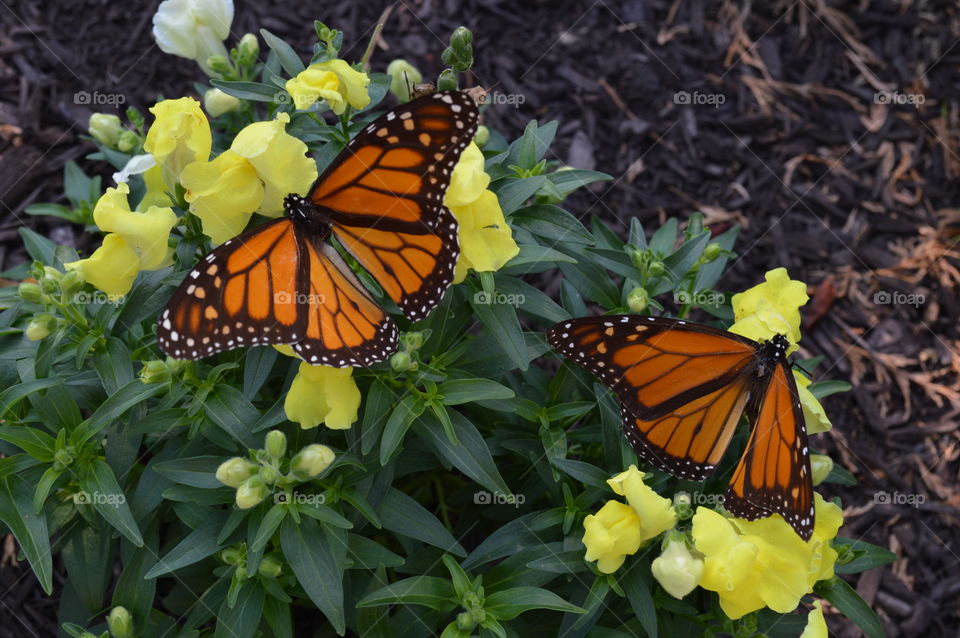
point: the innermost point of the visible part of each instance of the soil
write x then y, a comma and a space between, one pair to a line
827, 130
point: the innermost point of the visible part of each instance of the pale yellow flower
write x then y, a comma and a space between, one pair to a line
322, 394
676, 568
180, 134
656, 512
611, 535
813, 413
816, 624
334, 81
771, 308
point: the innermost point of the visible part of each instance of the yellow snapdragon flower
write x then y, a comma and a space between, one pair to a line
135, 241
816, 624
180, 134
763, 563
322, 394
486, 240
770, 308
677, 569
334, 81
263, 164
813, 413
656, 512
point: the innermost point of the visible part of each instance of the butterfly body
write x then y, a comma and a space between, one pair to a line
283, 282
683, 387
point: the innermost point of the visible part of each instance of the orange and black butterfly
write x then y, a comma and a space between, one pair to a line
682, 388
284, 283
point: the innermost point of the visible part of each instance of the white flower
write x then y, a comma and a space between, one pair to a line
193, 29
136, 165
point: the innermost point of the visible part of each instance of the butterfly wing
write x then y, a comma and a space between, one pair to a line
773, 476
385, 191
243, 293
655, 365
344, 326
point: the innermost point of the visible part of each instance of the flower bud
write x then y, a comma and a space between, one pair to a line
155, 372
52, 273
447, 81
820, 467
40, 327
711, 252
313, 459
251, 493
637, 300
275, 444
465, 621
235, 471
683, 505
71, 282
105, 128
656, 268
248, 48
30, 292
50, 286
218, 64
676, 569
462, 37
270, 567
403, 76
400, 361
231, 556
482, 136
413, 340
128, 141
216, 102
120, 623
268, 474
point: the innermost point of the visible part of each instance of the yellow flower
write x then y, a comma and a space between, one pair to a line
135, 241
771, 308
676, 569
813, 414
180, 135
260, 168
763, 563
611, 535
217, 102
156, 194
816, 624
323, 394
193, 29
486, 241
313, 459
105, 128
820, 467
656, 513
334, 81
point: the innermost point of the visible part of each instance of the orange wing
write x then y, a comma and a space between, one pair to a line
773, 475
345, 326
384, 196
243, 293
655, 366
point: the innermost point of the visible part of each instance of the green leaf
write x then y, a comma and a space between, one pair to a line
105, 494
376, 411
34, 442
429, 591
195, 546
228, 408
514, 536
198, 471
459, 391
552, 223
401, 514
408, 409
29, 528
472, 456
865, 556
369, 554
510, 603
636, 585
253, 91
666, 236
501, 321
133, 589
113, 408
268, 525
308, 553
851, 605
289, 59
567, 181
88, 557
38, 247
257, 368
826, 388
242, 618
513, 192
584, 472
14, 393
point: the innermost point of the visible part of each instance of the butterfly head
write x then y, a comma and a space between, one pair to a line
772, 352
306, 215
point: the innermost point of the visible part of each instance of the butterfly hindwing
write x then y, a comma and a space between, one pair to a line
384, 194
773, 474
243, 293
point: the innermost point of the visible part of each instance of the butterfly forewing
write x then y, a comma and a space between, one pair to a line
243, 293
773, 474
385, 191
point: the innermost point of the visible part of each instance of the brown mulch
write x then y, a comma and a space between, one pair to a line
783, 134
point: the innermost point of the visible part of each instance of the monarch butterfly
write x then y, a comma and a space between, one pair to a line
682, 389
284, 283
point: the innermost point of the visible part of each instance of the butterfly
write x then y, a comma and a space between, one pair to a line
285, 283
682, 388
